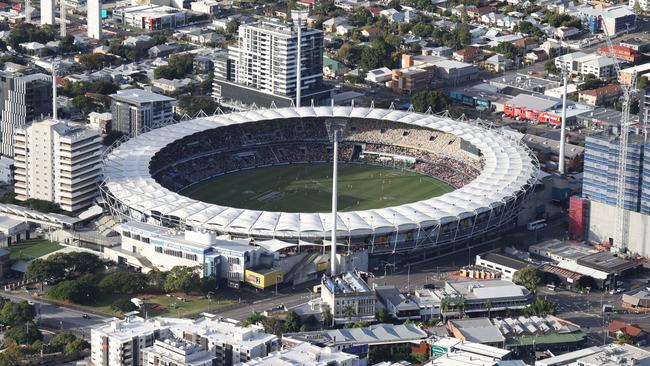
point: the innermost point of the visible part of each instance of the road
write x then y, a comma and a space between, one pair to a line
55, 317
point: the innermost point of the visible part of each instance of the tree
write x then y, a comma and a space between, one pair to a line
26, 333
232, 26
41, 270
124, 282
58, 342
66, 45
310, 323
550, 68
642, 83
638, 10
444, 306
253, 319
14, 313
123, 306
434, 99
81, 291
541, 307
460, 306
383, 316
207, 284
182, 278
192, 105
328, 318
96, 61
528, 277
274, 325
84, 104
508, 50
177, 67
348, 311
488, 306
156, 280
292, 322
26, 32
624, 338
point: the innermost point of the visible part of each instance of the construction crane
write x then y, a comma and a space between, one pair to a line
622, 229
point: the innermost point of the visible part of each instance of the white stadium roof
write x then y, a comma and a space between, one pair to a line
508, 168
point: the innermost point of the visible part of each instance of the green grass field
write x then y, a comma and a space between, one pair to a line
307, 188
31, 249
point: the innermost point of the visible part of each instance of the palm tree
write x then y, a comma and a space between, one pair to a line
444, 306
460, 305
348, 311
488, 306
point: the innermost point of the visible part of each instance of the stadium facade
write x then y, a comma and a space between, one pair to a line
491, 172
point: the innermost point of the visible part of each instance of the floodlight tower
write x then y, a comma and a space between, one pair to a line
335, 130
565, 77
298, 16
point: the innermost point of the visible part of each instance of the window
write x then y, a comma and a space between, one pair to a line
159, 250
145, 240
126, 234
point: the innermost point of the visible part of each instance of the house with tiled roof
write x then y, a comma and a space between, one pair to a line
468, 54
604, 95
617, 328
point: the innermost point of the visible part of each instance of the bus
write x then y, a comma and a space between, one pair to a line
536, 225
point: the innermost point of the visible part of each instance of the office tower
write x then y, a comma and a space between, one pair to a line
57, 162
48, 12
94, 18
261, 67
136, 111
23, 98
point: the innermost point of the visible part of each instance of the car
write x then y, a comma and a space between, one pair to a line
30, 302
85, 316
616, 291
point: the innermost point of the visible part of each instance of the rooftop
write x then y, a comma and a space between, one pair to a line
303, 354
505, 260
349, 282
374, 334
486, 289
140, 96
479, 330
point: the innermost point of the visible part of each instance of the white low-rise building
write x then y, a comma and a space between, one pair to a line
210, 7
379, 76
124, 342
349, 297
305, 354
145, 246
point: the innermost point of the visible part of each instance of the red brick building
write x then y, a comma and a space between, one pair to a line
622, 53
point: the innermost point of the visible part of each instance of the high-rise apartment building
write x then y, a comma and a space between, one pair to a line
23, 98
94, 19
261, 67
135, 341
57, 162
48, 12
601, 170
136, 111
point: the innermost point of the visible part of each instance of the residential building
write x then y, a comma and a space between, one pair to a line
617, 328
612, 20
349, 297
150, 17
502, 263
146, 247
627, 73
173, 86
100, 121
622, 53
366, 342
264, 71
177, 351
479, 330
496, 63
379, 76
164, 50
305, 354
604, 95
94, 15
606, 355
57, 162
468, 54
23, 98
568, 62
7, 168
601, 171
602, 67
566, 32
128, 341
141, 42
136, 111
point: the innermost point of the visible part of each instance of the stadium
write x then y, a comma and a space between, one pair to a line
475, 177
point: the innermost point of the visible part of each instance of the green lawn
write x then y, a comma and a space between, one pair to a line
31, 249
307, 188
159, 305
